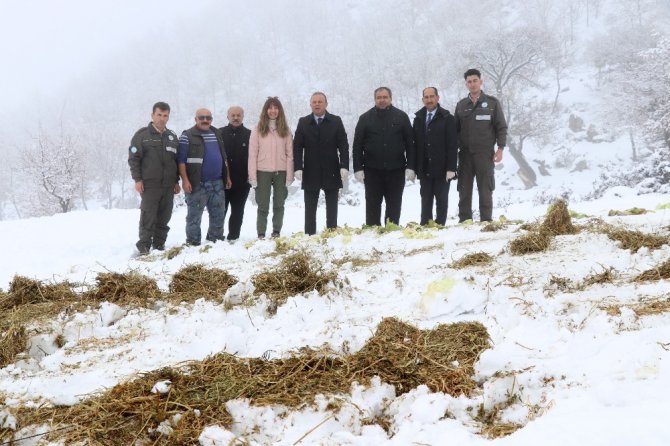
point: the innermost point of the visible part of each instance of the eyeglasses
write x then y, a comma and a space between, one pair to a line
204, 118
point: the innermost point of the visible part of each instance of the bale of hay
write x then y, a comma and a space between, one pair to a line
662, 271
474, 259
13, 341
297, 273
529, 243
634, 240
402, 355
25, 291
195, 281
558, 220
129, 288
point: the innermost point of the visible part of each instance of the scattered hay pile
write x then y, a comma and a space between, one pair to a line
556, 222
25, 291
529, 243
662, 271
125, 289
13, 340
195, 281
297, 273
402, 355
493, 227
634, 240
645, 308
474, 259
606, 276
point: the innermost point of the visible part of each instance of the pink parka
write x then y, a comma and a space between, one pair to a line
270, 153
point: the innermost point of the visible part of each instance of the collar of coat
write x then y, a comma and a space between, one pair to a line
310, 117
196, 131
422, 112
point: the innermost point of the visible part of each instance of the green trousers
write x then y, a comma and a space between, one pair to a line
267, 182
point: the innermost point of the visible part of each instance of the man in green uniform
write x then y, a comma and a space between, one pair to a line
481, 125
152, 157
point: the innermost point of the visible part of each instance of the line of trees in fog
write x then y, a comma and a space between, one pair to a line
528, 51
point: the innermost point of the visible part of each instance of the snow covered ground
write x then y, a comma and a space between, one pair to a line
577, 374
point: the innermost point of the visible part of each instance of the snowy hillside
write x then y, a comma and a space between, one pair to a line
578, 347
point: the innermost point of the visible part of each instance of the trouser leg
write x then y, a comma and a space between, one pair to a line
236, 200
195, 202
466, 176
279, 194
163, 217
263, 191
426, 192
441, 192
149, 204
311, 203
215, 208
394, 185
332, 196
374, 194
484, 173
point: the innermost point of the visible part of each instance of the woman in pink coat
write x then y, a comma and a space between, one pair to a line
271, 165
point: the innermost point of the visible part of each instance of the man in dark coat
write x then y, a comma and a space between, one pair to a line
436, 155
236, 142
384, 157
481, 125
152, 157
321, 160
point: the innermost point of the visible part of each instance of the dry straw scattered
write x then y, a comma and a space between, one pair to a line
556, 222
402, 355
529, 243
660, 272
196, 281
296, 273
608, 275
474, 259
125, 289
634, 240
13, 340
24, 291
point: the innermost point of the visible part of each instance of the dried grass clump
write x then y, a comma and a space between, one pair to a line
402, 355
297, 273
558, 220
358, 262
560, 283
652, 307
173, 252
126, 289
195, 281
606, 276
493, 227
634, 240
25, 291
13, 340
662, 271
531, 242
474, 259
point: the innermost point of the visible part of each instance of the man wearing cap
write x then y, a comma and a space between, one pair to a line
152, 157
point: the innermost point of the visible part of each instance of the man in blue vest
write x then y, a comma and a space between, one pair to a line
203, 168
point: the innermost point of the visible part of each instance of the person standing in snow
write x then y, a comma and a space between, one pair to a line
236, 142
271, 165
203, 168
152, 157
481, 124
321, 160
384, 157
436, 152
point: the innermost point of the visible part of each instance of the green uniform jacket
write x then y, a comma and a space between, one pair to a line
152, 157
481, 125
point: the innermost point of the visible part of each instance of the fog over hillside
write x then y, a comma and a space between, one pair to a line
86, 75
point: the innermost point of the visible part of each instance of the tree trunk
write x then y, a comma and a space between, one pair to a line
632, 143
525, 172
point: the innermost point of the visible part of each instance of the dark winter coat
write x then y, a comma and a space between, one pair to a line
481, 125
196, 152
383, 140
320, 151
437, 145
236, 144
152, 157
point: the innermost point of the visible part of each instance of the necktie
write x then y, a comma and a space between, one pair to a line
318, 121
429, 118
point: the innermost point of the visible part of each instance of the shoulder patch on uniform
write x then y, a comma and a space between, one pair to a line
171, 137
133, 149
